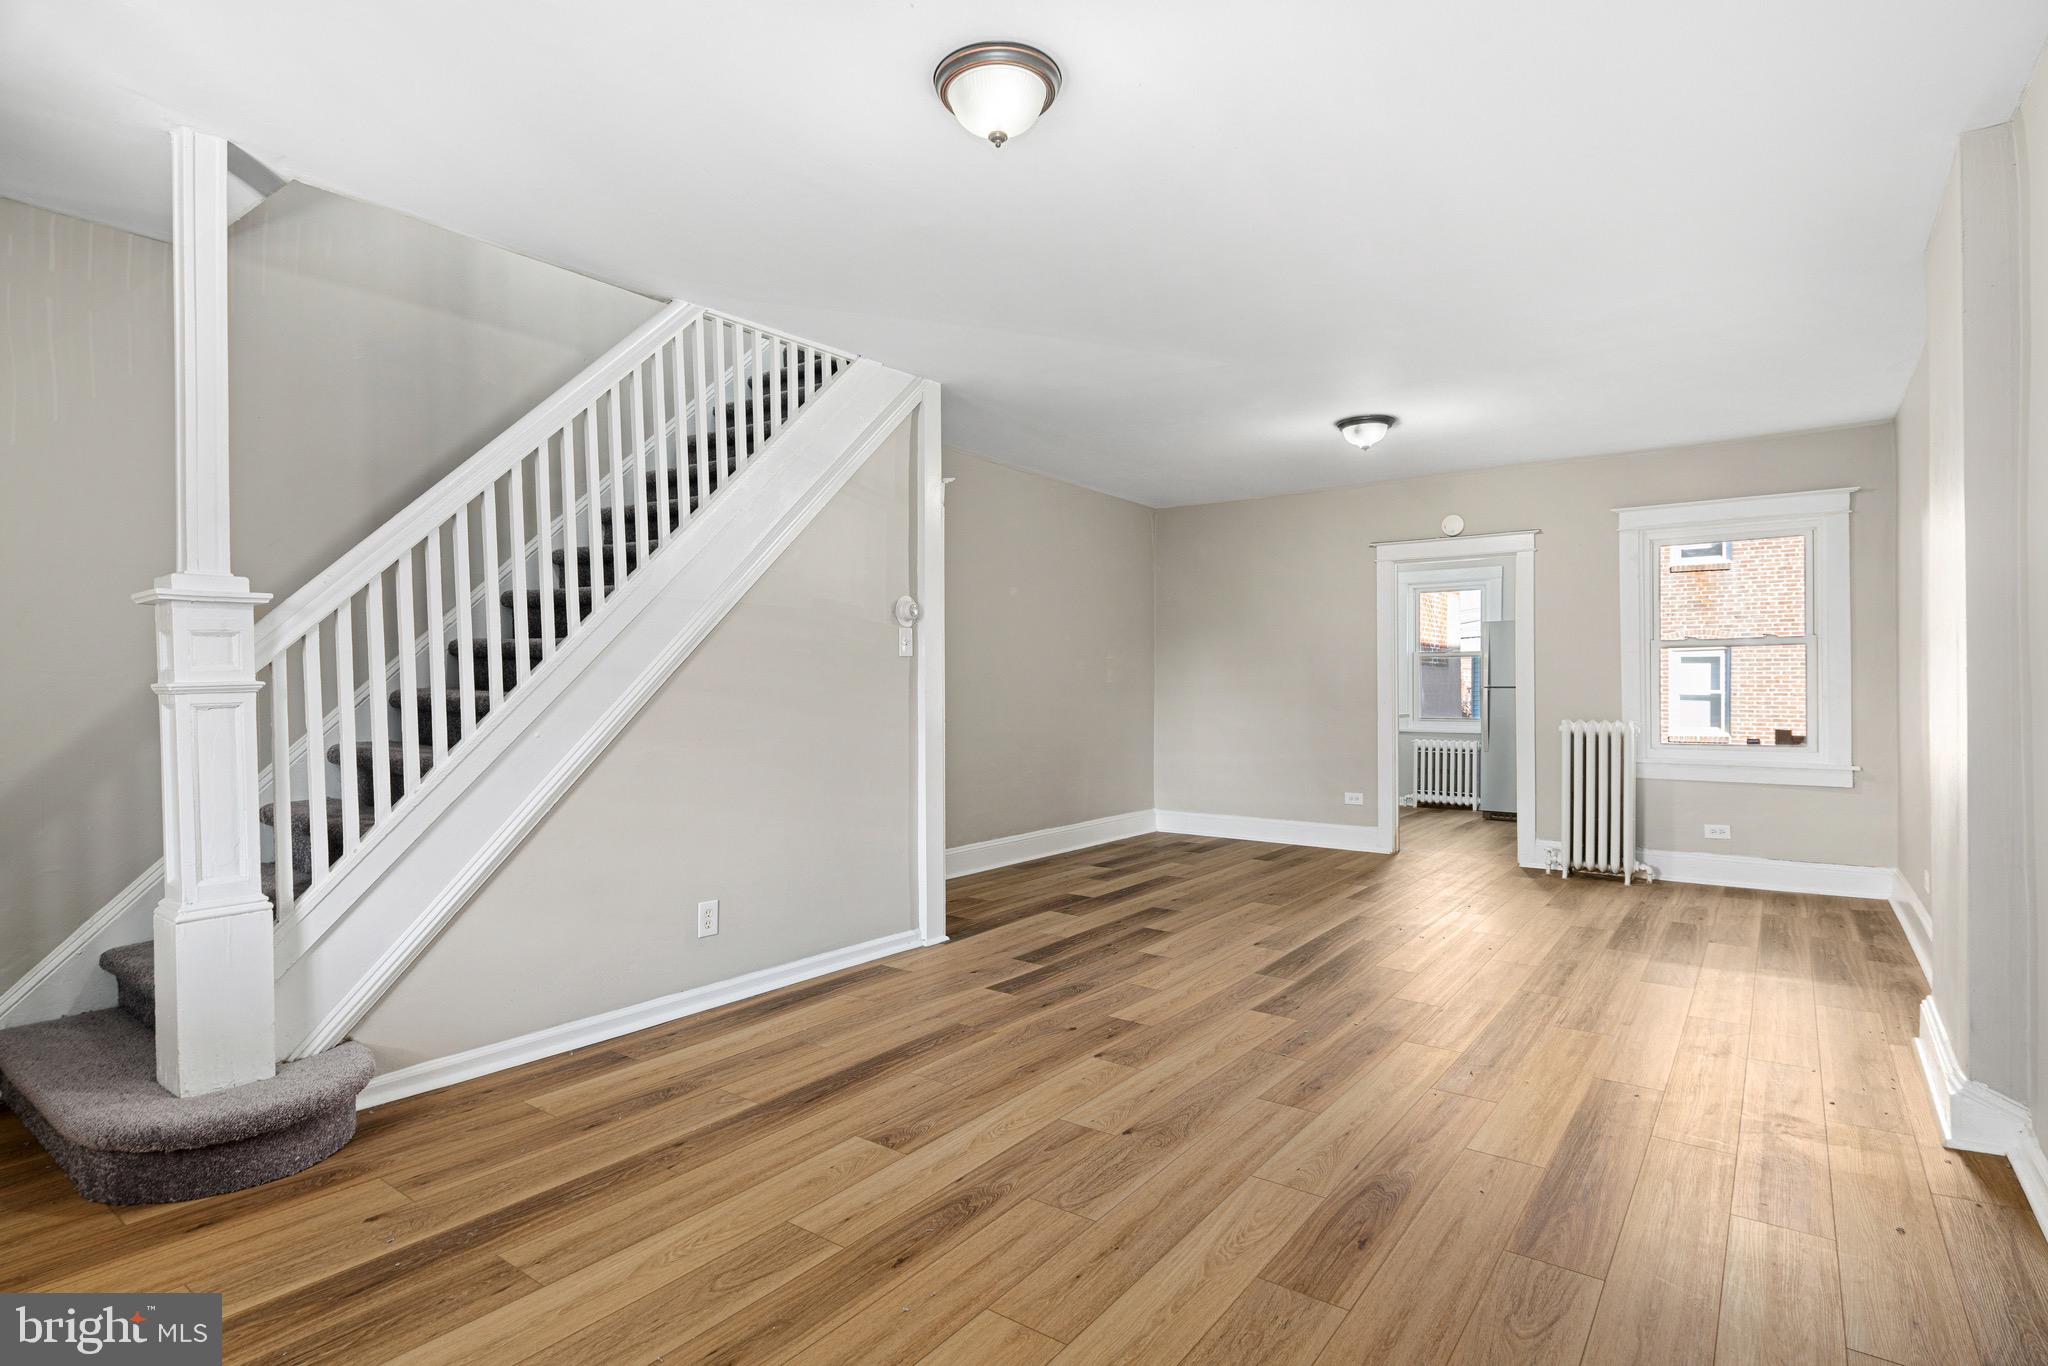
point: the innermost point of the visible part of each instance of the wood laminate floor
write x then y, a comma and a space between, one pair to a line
1169, 1100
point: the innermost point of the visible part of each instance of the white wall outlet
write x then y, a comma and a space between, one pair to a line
1354, 799
1718, 832
707, 918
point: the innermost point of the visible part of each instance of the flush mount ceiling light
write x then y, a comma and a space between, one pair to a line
997, 90
1365, 432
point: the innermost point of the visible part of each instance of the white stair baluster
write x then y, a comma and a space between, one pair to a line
615, 432
521, 662
720, 443
667, 484
379, 680
316, 770
408, 645
544, 567
571, 569
281, 782
465, 625
593, 506
437, 653
345, 722
494, 635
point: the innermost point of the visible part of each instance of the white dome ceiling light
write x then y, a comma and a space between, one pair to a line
997, 90
1365, 432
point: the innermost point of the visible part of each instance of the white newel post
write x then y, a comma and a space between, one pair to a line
215, 997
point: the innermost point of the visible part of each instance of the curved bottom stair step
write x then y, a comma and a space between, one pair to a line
86, 1087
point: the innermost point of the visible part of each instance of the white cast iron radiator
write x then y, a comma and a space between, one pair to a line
1447, 772
1599, 799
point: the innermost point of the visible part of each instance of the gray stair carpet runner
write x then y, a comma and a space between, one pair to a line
86, 1086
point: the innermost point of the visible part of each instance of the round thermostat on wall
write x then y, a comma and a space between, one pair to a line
1453, 524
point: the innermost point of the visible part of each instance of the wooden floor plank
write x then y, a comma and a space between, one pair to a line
1417, 1305
1900, 1300
1781, 1299
1532, 1314
1172, 1306
1662, 1301
1576, 1214
2003, 1271
1781, 1163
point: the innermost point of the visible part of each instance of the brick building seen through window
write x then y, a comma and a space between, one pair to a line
1716, 600
1447, 654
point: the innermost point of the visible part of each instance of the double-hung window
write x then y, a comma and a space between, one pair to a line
1443, 611
1735, 638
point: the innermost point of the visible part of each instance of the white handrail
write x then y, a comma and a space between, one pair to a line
325, 591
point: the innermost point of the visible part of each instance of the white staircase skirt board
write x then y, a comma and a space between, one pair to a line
1001, 852
373, 920
563, 1038
1976, 1119
1366, 839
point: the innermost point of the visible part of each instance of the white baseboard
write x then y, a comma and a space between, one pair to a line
1976, 1119
1057, 839
1761, 874
1914, 920
563, 1038
1366, 839
69, 979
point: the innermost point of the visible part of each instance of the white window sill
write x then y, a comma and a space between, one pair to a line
1745, 769
1441, 727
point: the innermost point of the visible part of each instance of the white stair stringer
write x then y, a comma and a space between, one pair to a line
335, 961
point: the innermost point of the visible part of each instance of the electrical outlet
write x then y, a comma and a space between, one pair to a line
1354, 799
707, 918
1718, 832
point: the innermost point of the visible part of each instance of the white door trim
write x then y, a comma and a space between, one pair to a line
1387, 558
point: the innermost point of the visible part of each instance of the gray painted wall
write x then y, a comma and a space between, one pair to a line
1266, 629
772, 772
371, 353
1048, 652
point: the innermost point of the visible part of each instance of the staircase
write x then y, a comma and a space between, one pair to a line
595, 541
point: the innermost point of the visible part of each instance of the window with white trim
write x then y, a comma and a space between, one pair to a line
1735, 638
1442, 613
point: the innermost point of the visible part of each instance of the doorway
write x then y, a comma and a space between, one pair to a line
1442, 657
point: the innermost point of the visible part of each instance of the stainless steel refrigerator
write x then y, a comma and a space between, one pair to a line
1497, 719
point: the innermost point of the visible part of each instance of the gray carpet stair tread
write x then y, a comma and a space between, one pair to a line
132, 963
654, 531
583, 563
133, 968
302, 878
508, 661
92, 1078
562, 621
302, 816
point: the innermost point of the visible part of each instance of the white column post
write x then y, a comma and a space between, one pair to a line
928, 572
215, 996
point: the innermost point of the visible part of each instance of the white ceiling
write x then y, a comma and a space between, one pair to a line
1531, 230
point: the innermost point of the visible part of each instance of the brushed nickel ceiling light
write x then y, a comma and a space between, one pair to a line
997, 90
1365, 432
